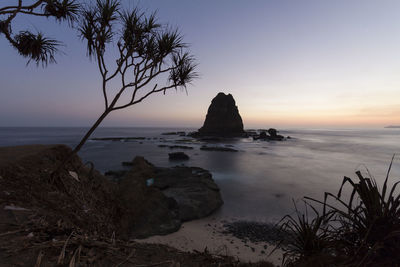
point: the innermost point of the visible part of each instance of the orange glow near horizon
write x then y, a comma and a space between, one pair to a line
331, 118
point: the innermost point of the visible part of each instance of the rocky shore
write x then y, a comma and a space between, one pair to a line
167, 196
77, 216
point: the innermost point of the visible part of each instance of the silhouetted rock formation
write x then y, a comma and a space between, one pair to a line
223, 118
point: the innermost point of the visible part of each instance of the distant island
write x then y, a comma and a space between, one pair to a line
393, 126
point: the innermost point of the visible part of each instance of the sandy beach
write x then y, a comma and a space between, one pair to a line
206, 234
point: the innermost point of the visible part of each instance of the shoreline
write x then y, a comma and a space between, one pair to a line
51, 219
207, 234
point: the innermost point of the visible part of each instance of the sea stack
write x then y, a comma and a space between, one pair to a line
223, 118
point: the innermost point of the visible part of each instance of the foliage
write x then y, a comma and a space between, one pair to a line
305, 236
364, 229
148, 53
35, 46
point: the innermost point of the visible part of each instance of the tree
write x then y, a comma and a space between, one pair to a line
147, 53
35, 46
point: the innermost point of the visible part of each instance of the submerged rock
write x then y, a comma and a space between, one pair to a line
223, 118
175, 133
178, 156
117, 138
176, 146
218, 148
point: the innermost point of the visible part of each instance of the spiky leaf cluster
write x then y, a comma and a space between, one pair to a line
142, 42
65, 10
184, 69
96, 26
35, 46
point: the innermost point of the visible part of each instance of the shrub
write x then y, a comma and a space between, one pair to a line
361, 231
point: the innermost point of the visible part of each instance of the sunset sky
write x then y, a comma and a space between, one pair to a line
287, 64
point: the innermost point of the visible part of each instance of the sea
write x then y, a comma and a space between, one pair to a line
263, 181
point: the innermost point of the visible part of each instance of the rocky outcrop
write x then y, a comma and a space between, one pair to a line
143, 201
163, 198
223, 118
271, 136
77, 211
147, 211
192, 188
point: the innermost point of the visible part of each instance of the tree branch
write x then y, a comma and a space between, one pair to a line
14, 13
33, 6
25, 12
145, 96
103, 75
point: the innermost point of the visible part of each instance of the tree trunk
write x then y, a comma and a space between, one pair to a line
91, 130
83, 141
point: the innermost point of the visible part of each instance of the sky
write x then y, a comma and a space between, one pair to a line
287, 63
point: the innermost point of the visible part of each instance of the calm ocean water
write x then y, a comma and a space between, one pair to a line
261, 180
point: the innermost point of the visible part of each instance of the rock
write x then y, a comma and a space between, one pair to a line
213, 139
272, 132
118, 138
192, 188
263, 135
178, 194
274, 135
251, 133
170, 133
176, 147
175, 133
178, 156
147, 211
223, 118
218, 148
115, 174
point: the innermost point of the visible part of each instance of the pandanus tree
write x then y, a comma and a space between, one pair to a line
35, 46
136, 56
